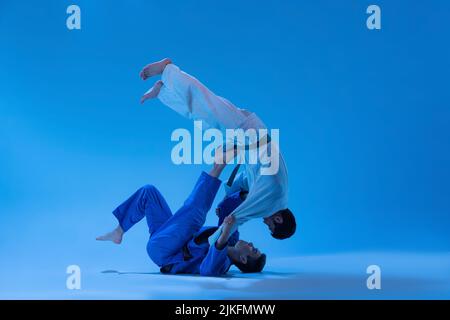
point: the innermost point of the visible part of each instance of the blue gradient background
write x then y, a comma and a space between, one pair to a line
364, 120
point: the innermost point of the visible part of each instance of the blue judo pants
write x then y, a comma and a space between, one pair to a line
168, 232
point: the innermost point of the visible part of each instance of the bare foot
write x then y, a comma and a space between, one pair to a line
114, 236
154, 68
153, 92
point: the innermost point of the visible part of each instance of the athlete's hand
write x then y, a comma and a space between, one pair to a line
221, 159
228, 223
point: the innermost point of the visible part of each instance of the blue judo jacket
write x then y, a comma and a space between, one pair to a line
201, 258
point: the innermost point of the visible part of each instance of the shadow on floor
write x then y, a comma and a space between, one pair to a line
285, 285
229, 275
333, 286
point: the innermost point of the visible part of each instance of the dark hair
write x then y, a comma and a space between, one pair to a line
252, 265
287, 228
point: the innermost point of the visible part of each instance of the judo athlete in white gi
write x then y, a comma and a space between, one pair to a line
267, 195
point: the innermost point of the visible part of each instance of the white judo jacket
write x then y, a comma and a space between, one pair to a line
267, 194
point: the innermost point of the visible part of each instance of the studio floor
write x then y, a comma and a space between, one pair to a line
334, 276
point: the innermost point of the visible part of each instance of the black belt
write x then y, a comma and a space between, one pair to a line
186, 256
236, 168
233, 175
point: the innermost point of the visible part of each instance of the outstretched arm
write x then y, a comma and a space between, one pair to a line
216, 170
205, 189
228, 224
222, 158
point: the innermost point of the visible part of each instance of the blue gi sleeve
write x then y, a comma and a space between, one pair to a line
215, 263
205, 190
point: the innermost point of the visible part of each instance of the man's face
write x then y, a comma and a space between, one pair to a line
246, 249
272, 220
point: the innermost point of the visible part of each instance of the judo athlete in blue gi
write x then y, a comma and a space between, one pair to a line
178, 242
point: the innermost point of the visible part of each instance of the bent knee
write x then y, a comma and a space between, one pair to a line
149, 187
150, 190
